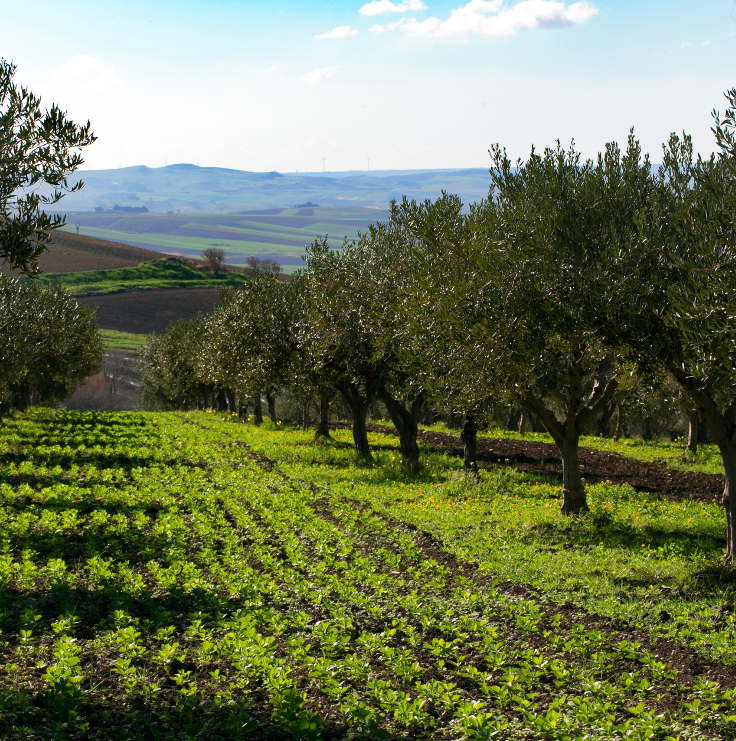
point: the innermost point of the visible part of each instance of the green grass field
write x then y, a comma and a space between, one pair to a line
156, 275
182, 575
115, 340
281, 234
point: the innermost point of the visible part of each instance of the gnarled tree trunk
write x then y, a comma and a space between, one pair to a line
405, 421
257, 410
323, 424
358, 405
469, 436
271, 401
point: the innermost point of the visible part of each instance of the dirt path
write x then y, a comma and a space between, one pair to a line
596, 465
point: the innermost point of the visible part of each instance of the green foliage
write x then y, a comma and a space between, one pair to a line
157, 581
156, 274
637, 557
251, 336
48, 343
40, 150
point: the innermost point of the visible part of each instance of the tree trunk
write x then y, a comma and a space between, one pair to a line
619, 424
305, 415
523, 425
271, 407
323, 425
359, 411
693, 432
405, 421
573, 492
469, 436
728, 453
646, 432
257, 410
360, 434
231, 403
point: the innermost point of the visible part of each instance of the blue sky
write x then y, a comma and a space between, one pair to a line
406, 83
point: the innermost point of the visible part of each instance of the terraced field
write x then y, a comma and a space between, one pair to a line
162, 576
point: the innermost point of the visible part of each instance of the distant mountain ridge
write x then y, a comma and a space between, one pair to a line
189, 188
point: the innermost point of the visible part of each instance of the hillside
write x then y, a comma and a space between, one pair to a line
160, 274
69, 252
187, 187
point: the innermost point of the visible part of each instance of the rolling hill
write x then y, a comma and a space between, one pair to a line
69, 252
187, 187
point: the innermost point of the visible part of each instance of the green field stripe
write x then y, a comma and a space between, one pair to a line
173, 243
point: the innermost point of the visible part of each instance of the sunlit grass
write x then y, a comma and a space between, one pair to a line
651, 561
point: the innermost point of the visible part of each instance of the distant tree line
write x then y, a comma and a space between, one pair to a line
580, 292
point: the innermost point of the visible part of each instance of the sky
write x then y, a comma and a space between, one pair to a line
292, 85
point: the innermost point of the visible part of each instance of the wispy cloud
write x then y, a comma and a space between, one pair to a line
691, 44
496, 19
379, 7
339, 32
320, 74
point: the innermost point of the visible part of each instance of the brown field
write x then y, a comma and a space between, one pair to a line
150, 311
70, 253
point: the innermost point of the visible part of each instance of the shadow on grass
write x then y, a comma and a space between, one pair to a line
95, 608
67, 714
592, 528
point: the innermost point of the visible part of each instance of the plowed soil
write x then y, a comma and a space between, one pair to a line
596, 465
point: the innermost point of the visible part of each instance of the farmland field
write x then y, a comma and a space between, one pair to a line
186, 576
69, 252
279, 234
130, 341
143, 312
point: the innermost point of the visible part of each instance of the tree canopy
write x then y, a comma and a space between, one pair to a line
39, 151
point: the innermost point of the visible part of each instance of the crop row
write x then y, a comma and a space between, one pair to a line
155, 576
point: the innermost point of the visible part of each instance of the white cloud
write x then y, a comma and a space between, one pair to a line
385, 28
497, 19
320, 74
339, 32
378, 7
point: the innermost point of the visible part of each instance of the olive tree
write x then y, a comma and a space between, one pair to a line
676, 301
39, 150
333, 333
48, 343
525, 286
252, 338
171, 374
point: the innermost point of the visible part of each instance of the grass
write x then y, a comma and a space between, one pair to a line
652, 562
157, 274
160, 578
115, 340
672, 454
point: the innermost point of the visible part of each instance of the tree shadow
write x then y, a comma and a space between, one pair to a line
595, 527
68, 714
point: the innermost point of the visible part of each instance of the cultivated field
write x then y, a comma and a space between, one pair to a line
143, 312
69, 252
279, 234
186, 576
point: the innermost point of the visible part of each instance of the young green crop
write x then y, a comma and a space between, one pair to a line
160, 578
